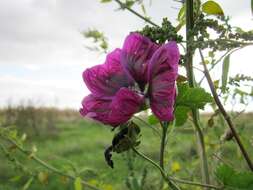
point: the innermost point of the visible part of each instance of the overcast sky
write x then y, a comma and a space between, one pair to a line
43, 54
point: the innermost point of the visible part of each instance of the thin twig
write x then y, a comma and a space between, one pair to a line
222, 160
198, 69
194, 183
224, 113
124, 6
172, 178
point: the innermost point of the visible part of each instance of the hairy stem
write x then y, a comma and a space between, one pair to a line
225, 114
191, 80
123, 6
46, 165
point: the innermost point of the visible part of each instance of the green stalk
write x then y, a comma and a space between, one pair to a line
162, 147
170, 183
191, 80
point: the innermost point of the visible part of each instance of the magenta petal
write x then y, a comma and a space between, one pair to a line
136, 52
162, 73
106, 79
95, 108
124, 105
162, 97
112, 112
166, 58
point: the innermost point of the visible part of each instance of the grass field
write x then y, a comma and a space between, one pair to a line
77, 146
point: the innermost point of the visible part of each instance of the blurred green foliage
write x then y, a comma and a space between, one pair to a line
78, 146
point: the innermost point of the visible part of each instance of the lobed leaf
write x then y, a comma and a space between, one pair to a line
192, 97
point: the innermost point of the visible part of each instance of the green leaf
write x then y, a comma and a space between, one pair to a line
181, 115
181, 14
181, 18
99, 39
153, 120
216, 84
212, 8
224, 173
143, 9
129, 3
233, 179
15, 178
43, 177
78, 183
192, 97
225, 69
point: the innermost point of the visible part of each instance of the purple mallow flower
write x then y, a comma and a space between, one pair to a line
114, 97
111, 101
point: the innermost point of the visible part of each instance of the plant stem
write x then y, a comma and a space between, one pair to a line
171, 179
46, 165
191, 80
124, 6
189, 40
195, 183
201, 147
224, 113
171, 184
162, 147
232, 41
